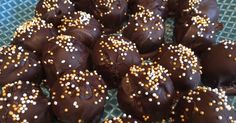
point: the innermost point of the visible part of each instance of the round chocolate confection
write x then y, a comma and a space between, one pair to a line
146, 92
196, 33
83, 5
82, 26
112, 57
122, 119
23, 102
196, 24
219, 65
33, 34
146, 30
111, 13
79, 97
17, 63
182, 64
63, 53
203, 105
53, 10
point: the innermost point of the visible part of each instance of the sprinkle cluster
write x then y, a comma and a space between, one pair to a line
83, 20
51, 5
32, 26
182, 58
75, 84
220, 103
117, 44
121, 119
21, 100
64, 42
109, 4
15, 56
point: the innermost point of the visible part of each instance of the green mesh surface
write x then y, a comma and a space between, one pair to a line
15, 12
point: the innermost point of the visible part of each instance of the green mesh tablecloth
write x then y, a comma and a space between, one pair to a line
14, 12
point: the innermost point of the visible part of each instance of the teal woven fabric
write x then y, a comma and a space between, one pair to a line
15, 12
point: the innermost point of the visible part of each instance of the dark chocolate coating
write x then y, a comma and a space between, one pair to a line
219, 65
33, 34
146, 30
84, 5
79, 97
182, 64
53, 10
63, 53
196, 24
82, 26
122, 119
17, 63
203, 105
146, 92
112, 57
23, 101
111, 13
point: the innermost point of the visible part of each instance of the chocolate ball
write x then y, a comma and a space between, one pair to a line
203, 105
197, 33
82, 26
79, 97
61, 54
122, 119
34, 34
219, 65
183, 65
112, 57
111, 13
16, 63
146, 30
146, 92
53, 10
23, 102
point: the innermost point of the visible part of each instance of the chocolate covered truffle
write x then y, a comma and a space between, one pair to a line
16, 63
123, 119
63, 53
203, 105
219, 65
79, 97
183, 65
146, 92
197, 23
146, 30
23, 102
82, 26
33, 34
53, 10
112, 57
111, 13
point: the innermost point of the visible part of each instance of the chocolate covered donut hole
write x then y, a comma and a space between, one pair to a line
78, 96
146, 30
82, 26
203, 105
182, 64
112, 57
24, 102
219, 66
61, 54
16, 63
146, 92
53, 10
111, 13
122, 119
34, 34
